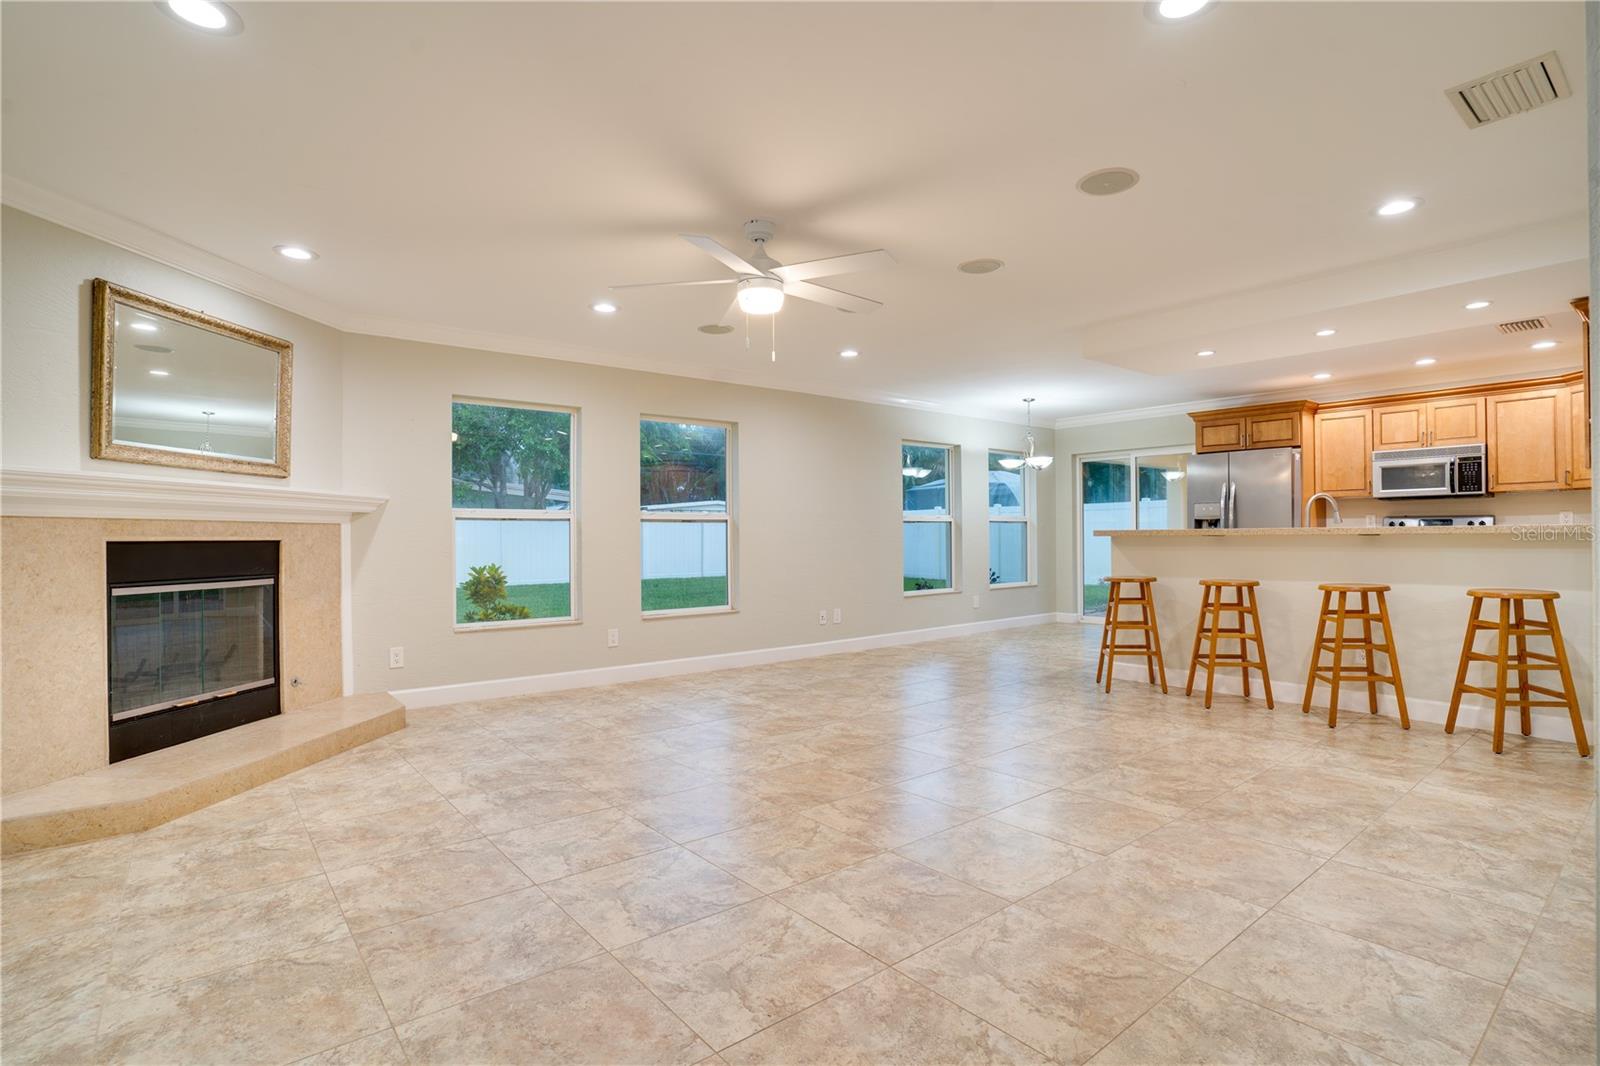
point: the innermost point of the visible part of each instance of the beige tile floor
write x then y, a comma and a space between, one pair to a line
952, 852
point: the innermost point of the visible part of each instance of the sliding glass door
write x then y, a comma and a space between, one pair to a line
1127, 490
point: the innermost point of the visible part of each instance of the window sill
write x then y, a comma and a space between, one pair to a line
918, 593
687, 612
1014, 585
515, 623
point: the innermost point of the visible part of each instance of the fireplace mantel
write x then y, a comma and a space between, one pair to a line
77, 494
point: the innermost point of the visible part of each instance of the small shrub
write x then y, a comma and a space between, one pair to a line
501, 611
485, 585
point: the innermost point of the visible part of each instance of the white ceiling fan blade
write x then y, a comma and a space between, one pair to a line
670, 284
821, 294
720, 254
877, 259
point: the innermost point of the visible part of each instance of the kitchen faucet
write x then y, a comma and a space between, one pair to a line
1331, 503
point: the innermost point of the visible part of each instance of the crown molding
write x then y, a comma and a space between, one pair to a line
77, 494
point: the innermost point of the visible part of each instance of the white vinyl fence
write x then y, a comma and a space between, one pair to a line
533, 552
1153, 514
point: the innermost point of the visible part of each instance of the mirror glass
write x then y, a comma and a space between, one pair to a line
180, 387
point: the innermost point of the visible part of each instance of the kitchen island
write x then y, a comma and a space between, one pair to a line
1429, 569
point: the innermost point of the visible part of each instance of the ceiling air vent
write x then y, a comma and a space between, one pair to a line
1523, 325
1511, 91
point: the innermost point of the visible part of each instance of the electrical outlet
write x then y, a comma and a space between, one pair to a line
822, 617
397, 658
1566, 518
1372, 519
613, 638
838, 615
974, 601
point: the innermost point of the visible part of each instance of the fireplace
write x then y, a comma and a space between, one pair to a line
192, 639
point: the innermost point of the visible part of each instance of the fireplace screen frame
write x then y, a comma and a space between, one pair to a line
143, 567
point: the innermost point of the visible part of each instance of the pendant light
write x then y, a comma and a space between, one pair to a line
1037, 462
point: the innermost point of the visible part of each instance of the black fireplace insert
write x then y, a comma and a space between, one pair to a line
192, 638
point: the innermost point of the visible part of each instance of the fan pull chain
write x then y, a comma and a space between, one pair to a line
774, 338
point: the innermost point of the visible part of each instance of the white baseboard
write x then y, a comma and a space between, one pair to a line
436, 695
1068, 616
1475, 713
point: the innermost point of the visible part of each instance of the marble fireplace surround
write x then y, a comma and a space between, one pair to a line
53, 660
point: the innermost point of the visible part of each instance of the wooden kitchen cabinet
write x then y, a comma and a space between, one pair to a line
1343, 459
1428, 423
1273, 429
1530, 436
1578, 420
1219, 434
1403, 425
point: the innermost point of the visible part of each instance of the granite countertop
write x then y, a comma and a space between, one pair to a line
1529, 531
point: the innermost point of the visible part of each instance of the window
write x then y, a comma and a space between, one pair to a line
1010, 521
512, 498
684, 527
927, 494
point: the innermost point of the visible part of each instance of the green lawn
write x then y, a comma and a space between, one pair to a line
925, 584
542, 601
658, 594
1094, 598
677, 593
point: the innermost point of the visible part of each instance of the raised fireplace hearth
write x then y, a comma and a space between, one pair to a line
192, 640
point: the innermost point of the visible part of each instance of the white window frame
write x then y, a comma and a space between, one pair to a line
952, 497
1133, 456
1030, 545
727, 518
512, 514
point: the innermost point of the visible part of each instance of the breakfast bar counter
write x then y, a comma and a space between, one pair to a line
1429, 569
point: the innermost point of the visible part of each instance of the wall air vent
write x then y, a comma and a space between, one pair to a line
1511, 91
1523, 325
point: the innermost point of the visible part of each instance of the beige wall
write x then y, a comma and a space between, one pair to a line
45, 276
817, 511
53, 611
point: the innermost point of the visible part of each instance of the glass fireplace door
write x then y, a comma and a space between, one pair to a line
177, 644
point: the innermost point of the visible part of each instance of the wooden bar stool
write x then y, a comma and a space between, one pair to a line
1514, 627
1372, 608
1209, 629
1149, 646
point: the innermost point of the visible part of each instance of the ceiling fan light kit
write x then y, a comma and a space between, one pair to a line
762, 283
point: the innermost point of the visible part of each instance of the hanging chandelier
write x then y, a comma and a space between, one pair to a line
1037, 462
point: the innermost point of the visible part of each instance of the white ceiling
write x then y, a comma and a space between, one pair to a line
482, 173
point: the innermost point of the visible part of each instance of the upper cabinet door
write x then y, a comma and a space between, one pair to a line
1401, 426
1456, 421
1344, 452
1219, 434
1275, 430
1529, 440
1578, 420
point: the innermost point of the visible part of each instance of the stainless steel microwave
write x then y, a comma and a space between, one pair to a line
1456, 470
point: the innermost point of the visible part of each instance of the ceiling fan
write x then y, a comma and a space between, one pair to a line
763, 282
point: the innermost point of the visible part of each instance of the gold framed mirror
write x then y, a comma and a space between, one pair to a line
176, 387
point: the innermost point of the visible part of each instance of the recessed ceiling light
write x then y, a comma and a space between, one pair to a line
143, 327
1400, 205
160, 373
848, 353
207, 15
1477, 305
1540, 346
296, 252
1324, 376
604, 307
1205, 353
980, 266
1108, 182
1181, 9
1426, 360
716, 329
1326, 332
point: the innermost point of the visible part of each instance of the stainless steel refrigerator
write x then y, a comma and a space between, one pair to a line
1256, 489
